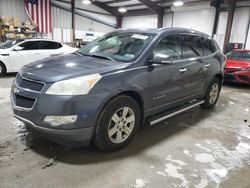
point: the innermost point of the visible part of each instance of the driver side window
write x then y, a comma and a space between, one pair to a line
30, 45
169, 48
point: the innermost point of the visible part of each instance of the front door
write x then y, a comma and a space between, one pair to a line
28, 54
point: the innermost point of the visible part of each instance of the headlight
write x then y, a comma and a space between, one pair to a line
75, 86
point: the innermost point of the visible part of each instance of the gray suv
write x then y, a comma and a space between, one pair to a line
106, 90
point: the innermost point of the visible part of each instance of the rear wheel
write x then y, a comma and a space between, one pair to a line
212, 94
117, 123
2, 69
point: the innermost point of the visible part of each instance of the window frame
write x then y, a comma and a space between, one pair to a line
41, 46
183, 45
27, 42
159, 40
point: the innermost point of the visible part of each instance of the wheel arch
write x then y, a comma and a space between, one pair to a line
5, 68
134, 95
219, 76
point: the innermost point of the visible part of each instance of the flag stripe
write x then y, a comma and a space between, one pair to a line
39, 11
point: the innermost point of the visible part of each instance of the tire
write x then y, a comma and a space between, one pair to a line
2, 69
112, 132
212, 94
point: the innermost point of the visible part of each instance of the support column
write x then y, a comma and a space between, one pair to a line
73, 21
216, 19
247, 33
229, 23
118, 22
160, 19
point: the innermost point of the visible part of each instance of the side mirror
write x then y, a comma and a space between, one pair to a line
161, 59
18, 48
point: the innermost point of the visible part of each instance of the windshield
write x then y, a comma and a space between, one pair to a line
9, 44
239, 55
123, 47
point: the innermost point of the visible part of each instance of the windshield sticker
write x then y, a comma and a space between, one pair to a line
137, 36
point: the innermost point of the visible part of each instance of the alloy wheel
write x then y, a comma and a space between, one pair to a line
214, 93
121, 125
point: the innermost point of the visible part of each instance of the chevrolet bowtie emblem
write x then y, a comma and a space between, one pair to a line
16, 90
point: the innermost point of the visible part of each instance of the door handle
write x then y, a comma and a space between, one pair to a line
183, 70
207, 65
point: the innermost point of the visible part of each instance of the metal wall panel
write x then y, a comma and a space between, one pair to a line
13, 8
89, 25
61, 18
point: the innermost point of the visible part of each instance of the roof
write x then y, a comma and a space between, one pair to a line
164, 30
38, 39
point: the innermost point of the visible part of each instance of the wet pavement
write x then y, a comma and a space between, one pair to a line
196, 149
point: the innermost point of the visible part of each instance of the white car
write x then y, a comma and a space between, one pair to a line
14, 54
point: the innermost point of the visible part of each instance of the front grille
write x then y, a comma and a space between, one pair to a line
24, 102
28, 84
243, 77
229, 78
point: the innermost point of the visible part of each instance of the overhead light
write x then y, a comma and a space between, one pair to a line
86, 2
178, 3
122, 10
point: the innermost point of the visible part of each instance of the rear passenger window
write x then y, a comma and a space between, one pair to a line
192, 46
169, 47
47, 45
209, 46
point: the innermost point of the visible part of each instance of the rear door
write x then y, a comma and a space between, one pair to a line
193, 61
50, 48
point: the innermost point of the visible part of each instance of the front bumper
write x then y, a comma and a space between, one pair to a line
237, 77
71, 138
40, 105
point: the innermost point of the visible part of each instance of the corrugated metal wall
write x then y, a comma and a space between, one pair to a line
89, 25
60, 18
13, 8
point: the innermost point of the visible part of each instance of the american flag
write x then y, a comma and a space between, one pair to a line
39, 11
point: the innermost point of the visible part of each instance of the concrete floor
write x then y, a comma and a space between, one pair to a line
195, 149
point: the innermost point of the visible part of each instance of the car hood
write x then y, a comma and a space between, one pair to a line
237, 64
68, 66
4, 51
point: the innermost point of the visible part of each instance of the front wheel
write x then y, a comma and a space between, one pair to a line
117, 123
212, 94
2, 69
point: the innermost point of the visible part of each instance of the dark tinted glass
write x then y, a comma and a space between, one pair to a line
209, 46
30, 45
169, 48
50, 45
192, 46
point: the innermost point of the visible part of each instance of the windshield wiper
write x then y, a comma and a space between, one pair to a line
99, 56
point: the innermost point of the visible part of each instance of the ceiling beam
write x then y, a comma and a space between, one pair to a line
138, 12
152, 6
107, 8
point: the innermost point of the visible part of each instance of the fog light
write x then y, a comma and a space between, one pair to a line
60, 120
